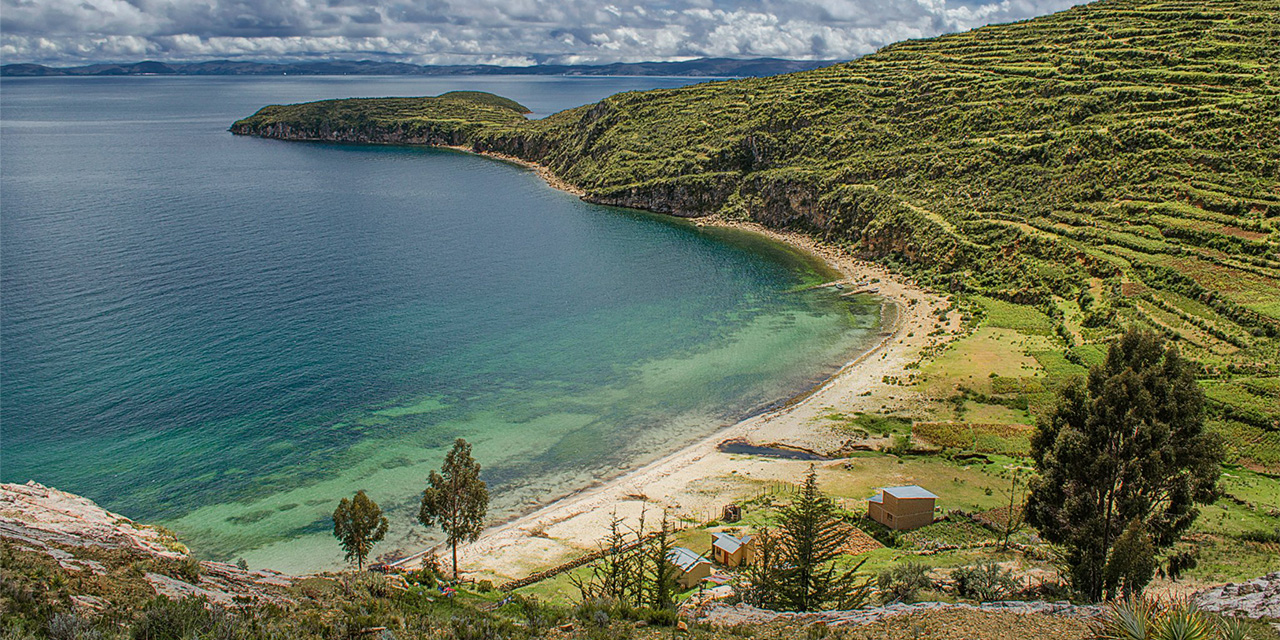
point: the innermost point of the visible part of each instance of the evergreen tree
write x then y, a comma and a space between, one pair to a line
761, 588
1127, 443
810, 537
661, 573
617, 576
358, 524
456, 499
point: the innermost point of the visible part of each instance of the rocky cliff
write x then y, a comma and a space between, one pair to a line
108, 557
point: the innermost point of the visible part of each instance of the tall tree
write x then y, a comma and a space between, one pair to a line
1126, 443
456, 499
661, 573
809, 539
358, 524
618, 575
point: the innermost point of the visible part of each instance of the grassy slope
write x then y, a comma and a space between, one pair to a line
1109, 165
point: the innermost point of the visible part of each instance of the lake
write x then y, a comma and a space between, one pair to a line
225, 335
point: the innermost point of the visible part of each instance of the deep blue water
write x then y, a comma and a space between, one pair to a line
227, 334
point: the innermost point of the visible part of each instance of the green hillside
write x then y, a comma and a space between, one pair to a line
1114, 164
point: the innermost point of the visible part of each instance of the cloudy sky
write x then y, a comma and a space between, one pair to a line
511, 32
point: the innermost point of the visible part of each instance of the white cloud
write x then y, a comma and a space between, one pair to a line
481, 31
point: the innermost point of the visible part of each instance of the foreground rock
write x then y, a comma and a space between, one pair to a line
744, 614
86, 539
1258, 598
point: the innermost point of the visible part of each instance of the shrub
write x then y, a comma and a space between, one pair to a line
1179, 562
884, 535
476, 627
903, 581
1141, 619
165, 619
900, 444
66, 625
986, 581
538, 616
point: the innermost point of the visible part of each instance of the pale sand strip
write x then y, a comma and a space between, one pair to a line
699, 479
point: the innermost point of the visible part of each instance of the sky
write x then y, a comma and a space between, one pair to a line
506, 32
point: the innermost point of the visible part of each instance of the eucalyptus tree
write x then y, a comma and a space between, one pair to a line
358, 524
456, 499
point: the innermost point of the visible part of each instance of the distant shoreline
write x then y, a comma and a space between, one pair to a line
708, 68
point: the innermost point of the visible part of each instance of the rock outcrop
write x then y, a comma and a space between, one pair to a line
1258, 598
83, 538
743, 614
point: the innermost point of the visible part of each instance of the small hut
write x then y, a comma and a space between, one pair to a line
691, 568
732, 551
902, 508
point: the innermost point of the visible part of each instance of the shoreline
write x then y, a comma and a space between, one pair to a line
686, 480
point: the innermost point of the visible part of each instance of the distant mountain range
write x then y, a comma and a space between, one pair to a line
702, 67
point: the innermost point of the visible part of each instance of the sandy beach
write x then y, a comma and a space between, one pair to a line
694, 483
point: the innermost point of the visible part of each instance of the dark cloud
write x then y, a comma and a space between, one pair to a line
482, 31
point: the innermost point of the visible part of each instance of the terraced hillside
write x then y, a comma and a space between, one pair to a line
1114, 164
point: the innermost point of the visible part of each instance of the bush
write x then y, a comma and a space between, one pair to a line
66, 625
1271, 537
600, 611
985, 581
902, 582
477, 627
1180, 562
1140, 619
884, 535
538, 616
424, 577
900, 444
165, 619
1132, 562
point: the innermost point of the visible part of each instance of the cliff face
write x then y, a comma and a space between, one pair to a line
325, 132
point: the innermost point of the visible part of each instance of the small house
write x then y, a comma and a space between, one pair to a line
902, 508
691, 568
732, 551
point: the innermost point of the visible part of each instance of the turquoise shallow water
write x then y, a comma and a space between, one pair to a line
226, 334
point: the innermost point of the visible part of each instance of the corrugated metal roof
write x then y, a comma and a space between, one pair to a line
684, 558
726, 542
908, 491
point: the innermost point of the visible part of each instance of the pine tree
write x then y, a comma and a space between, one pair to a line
617, 576
661, 573
358, 524
456, 499
762, 589
810, 538
1127, 443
